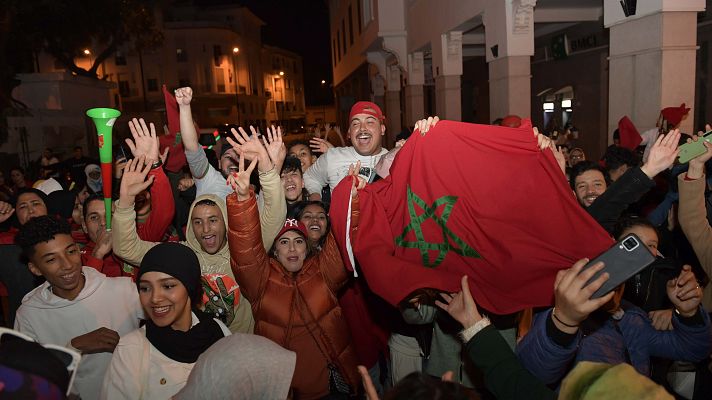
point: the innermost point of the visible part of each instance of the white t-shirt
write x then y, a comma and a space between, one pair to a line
333, 166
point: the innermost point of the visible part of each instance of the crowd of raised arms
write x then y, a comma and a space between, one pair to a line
222, 276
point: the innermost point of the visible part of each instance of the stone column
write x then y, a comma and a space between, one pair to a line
393, 105
651, 60
447, 70
510, 86
509, 44
414, 96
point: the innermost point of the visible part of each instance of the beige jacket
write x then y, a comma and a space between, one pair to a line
693, 220
128, 246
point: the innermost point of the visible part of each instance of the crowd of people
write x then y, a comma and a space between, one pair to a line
221, 277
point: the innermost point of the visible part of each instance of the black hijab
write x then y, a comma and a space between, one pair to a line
180, 262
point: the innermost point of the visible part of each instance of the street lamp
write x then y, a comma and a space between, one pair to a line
87, 52
281, 73
236, 50
323, 81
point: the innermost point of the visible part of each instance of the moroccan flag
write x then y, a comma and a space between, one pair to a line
176, 156
469, 199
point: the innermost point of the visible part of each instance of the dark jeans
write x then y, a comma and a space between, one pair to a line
16, 277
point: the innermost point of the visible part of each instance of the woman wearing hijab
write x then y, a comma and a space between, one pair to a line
154, 361
216, 375
292, 289
93, 173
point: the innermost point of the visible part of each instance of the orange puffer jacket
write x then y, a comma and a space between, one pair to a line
294, 310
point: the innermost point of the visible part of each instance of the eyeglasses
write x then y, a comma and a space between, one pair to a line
69, 358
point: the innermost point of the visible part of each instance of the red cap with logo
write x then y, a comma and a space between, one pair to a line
292, 224
367, 107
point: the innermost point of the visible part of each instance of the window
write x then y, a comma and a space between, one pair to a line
181, 55
343, 29
217, 55
152, 85
338, 45
220, 79
124, 88
351, 27
367, 11
358, 12
333, 50
120, 58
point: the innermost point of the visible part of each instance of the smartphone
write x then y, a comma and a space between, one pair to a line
121, 153
688, 151
623, 260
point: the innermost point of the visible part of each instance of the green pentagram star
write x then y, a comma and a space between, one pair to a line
416, 223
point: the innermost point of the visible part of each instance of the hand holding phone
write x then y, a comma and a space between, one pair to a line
623, 260
572, 292
693, 149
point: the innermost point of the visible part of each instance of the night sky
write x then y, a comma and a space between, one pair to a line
301, 26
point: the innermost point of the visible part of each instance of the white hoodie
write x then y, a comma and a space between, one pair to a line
103, 302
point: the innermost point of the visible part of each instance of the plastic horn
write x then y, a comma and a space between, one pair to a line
104, 119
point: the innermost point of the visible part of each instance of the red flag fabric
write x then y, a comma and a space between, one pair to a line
176, 156
469, 199
630, 138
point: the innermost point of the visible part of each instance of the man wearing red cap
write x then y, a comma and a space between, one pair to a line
366, 130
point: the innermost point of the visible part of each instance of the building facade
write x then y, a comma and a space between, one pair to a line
588, 62
216, 50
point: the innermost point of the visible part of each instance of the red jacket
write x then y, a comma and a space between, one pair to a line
162, 209
8, 237
152, 229
110, 265
293, 310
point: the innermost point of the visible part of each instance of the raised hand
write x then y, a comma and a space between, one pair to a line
559, 156
573, 302
276, 149
184, 96
697, 164
320, 145
145, 141
103, 243
134, 181
251, 147
6, 211
684, 292
543, 142
185, 184
164, 155
461, 306
662, 154
359, 182
240, 180
102, 340
424, 125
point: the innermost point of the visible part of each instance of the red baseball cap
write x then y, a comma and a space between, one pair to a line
292, 224
366, 107
512, 121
